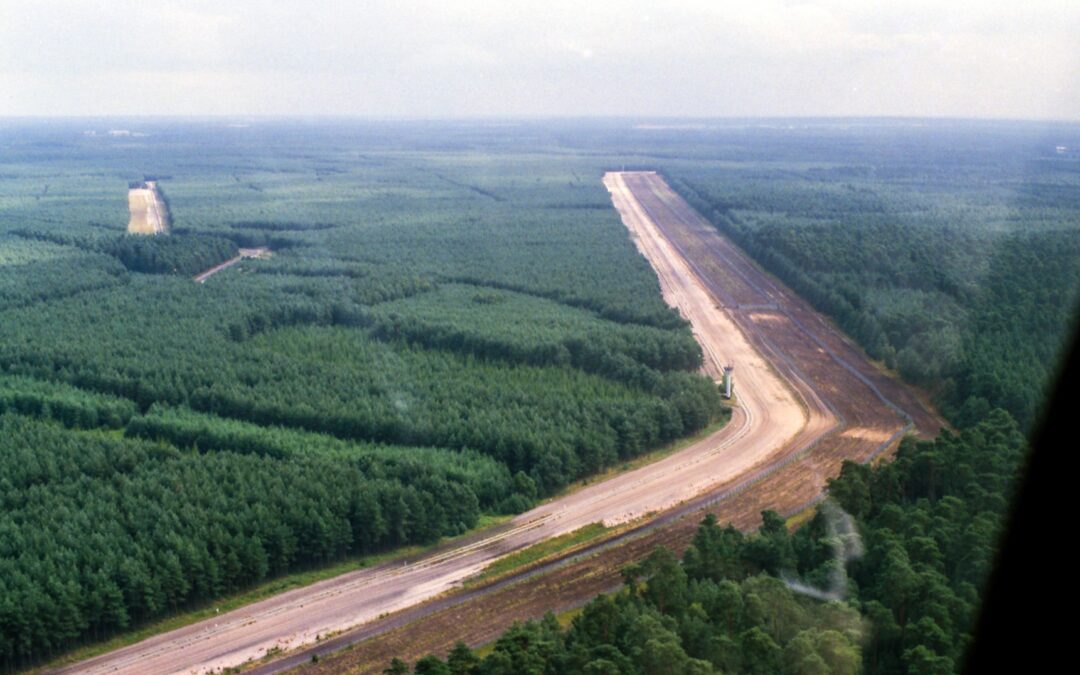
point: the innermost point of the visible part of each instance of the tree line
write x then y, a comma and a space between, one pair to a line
183, 254
99, 533
309, 353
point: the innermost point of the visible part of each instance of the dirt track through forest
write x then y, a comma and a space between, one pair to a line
795, 393
874, 411
261, 252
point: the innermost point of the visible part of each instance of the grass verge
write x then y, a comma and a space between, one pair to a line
538, 552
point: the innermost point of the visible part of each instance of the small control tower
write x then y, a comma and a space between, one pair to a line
729, 376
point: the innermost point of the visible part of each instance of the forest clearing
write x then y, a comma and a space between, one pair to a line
149, 215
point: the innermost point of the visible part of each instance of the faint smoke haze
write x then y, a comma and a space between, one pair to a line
966, 58
847, 545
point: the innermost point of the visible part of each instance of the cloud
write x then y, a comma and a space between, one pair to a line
561, 57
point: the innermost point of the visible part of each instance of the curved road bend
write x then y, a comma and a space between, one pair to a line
770, 419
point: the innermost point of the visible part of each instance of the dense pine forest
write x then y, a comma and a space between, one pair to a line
453, 323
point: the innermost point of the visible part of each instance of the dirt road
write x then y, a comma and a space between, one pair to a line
260, 252
829, 373
780, 321
806, 400
771, 418
148, 213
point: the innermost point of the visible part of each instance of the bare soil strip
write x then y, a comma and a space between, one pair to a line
148, 212
766, 423
261, 252
795, 390
874, 410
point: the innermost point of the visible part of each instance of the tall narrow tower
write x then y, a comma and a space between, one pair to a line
729, 371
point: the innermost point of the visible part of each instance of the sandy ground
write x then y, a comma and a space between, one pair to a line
148, 214
774, 417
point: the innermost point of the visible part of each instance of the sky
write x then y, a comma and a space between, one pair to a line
502, 58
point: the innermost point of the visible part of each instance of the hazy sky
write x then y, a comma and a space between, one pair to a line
971, 58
